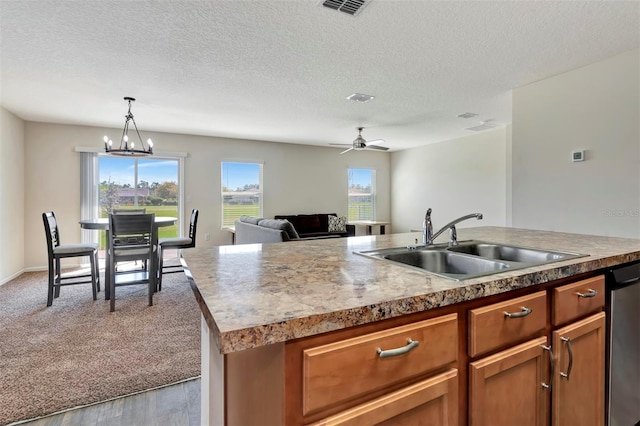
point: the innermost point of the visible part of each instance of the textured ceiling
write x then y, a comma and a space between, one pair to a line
281, 70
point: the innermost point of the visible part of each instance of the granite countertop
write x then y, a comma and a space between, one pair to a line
254, 295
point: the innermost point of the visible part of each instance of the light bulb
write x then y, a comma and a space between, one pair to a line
105, 139
110, 142
133, 144
150, 142
126, 138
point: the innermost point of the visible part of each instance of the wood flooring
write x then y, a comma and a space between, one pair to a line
177, 404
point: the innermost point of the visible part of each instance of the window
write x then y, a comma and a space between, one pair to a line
154, 183
362, 194
150, 183
241, 191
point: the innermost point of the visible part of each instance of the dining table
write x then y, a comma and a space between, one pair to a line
102, 224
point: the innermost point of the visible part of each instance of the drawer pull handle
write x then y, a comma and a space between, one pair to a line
570, 366
551, 363
398, 351
590, 293
525, 311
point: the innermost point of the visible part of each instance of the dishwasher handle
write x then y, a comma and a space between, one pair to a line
628, 281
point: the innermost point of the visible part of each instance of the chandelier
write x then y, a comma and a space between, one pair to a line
128, 147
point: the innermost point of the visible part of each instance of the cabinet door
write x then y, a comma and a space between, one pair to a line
578, 385
510, 387
431, 402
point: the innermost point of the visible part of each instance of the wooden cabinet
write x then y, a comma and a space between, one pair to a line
403, 375
576, 300
578, 383
507, 388
520, 385
502, 324
429, 402
346, 369
501, 362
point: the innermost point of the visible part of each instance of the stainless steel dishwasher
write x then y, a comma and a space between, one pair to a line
623, 330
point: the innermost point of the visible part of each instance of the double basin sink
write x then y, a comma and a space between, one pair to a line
468, 259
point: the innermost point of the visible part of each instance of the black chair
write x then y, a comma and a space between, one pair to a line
57, 251
132, 237
129, 211
176, 243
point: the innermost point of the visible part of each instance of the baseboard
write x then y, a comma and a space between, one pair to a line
37, 269
11, 277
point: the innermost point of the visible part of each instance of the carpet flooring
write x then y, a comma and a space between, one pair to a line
76, 352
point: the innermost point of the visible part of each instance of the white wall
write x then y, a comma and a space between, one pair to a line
454, 178
595, 108
297, 179
12, 163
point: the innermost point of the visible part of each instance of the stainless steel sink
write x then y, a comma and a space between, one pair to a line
511, 253
469, 259
447, 263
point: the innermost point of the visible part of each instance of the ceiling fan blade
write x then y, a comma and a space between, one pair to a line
381, 148
375, 142
341, 144
344, 152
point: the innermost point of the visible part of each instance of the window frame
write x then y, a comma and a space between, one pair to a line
90, 186
260, 166
373, 194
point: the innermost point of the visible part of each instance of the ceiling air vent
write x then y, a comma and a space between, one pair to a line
352, 7
468, 115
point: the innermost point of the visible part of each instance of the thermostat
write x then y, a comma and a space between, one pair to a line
577, 156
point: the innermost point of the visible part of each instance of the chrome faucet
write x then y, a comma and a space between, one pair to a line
427, 228
428, 236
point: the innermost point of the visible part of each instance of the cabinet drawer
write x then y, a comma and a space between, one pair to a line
432, 401
576, 300
343, 370
491, 328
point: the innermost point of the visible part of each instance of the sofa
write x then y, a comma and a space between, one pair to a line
317, 225
253, 230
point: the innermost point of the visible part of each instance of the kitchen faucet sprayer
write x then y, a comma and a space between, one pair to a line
428, 236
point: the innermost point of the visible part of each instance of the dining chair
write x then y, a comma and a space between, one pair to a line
57, 251
132, 211
177, 244
129, 211
132, 238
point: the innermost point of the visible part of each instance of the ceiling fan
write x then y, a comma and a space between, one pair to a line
359, 143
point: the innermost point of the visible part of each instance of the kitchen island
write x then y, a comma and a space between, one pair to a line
261, 303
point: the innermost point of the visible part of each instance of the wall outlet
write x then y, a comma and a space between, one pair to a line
207, 237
